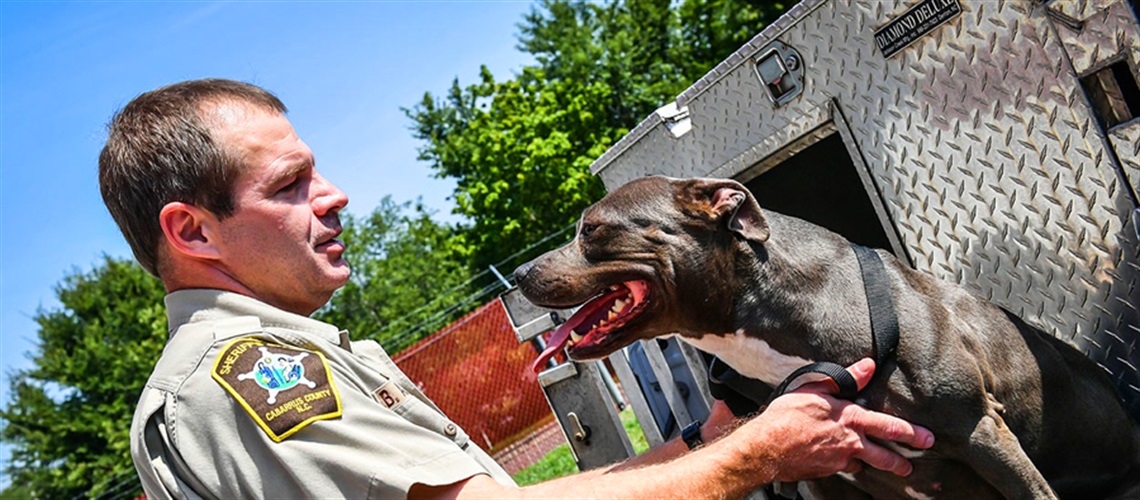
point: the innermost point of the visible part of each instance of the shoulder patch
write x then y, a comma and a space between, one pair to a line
283, 389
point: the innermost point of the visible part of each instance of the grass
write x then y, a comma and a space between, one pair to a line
560, 462
629, 420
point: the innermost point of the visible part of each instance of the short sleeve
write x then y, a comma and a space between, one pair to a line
368, 450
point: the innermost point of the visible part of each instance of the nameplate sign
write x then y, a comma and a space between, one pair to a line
914, 23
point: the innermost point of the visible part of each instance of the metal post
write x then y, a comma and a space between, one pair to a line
582, 396
586, 414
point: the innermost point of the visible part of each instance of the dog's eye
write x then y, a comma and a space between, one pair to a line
588, 229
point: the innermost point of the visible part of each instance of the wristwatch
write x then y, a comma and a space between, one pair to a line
691, 434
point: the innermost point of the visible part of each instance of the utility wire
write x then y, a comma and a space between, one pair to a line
442, 316
439, 316
128, 483
484, 272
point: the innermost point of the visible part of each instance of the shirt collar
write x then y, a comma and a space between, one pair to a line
194, 305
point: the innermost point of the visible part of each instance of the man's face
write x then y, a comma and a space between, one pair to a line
279, 242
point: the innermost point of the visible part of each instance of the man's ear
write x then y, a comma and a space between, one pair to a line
729, 202
189, 230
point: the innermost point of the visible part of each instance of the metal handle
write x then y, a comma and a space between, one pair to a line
1136, 221
581, 432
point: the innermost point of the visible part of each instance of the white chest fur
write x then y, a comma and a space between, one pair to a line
750, 356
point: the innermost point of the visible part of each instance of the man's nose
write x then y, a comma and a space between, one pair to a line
326, 196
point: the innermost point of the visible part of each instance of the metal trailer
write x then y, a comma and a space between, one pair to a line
991, 143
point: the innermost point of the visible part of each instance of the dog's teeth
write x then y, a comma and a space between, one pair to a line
575, 337
611, 315
601, 323
618, 305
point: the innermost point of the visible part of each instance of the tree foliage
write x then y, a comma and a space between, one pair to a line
405, 269
522, 163
69, 415
520, 149
712, 29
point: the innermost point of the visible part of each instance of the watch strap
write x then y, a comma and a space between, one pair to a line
691, 435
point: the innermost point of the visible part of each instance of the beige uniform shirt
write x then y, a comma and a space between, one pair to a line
251, 401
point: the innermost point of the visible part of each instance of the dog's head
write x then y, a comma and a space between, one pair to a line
642, 263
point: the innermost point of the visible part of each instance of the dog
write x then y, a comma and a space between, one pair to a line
1017, 413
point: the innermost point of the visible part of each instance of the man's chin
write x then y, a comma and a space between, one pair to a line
340, 272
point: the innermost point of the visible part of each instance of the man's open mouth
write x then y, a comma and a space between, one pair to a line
592, 324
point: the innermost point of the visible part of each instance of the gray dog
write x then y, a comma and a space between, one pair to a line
1017, 413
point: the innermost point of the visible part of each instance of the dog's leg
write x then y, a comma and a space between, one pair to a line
999, 459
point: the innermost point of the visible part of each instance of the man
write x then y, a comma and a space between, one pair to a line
218, 197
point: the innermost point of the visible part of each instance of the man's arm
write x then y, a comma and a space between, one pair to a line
802, 435
720, 422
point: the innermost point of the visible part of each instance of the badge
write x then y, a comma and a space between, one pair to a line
389, 394
283, 389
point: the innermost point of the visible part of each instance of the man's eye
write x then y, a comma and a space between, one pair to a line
292, 185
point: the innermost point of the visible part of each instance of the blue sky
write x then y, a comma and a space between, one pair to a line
344, 69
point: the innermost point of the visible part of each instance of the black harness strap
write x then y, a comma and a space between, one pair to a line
744, 395
848, 389
884, 319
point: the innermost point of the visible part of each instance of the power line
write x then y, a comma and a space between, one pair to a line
448, 311
441, 316
128, 483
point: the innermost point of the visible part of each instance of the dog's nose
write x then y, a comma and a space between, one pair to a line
522, 271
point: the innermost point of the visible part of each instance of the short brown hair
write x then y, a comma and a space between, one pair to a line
159, 149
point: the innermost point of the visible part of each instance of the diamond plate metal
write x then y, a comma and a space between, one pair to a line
979, 137
1125, 141
1106, 30
1079, 9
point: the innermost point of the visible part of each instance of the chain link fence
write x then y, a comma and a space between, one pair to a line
478, 373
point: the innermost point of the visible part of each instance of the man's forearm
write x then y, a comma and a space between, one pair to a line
802, 435
720, 422
668, 451
721, 469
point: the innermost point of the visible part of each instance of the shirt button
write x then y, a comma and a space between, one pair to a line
450, 429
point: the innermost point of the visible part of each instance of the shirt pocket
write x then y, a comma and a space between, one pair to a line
421, 414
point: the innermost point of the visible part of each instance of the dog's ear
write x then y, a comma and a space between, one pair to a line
727, 201
743, 213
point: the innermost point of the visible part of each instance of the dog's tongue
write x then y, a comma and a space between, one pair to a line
635, 291
557, 341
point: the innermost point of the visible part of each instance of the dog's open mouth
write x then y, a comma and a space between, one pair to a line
609, 311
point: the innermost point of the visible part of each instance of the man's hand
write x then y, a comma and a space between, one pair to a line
812, 434
804, 434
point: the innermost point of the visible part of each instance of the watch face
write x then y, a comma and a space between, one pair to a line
691, 434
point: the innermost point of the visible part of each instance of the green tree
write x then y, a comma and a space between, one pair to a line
710, 30
69, 415
626, 46
406, 270
522, 162
520, 149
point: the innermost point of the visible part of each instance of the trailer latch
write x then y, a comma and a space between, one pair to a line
780, 70
1136, 222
